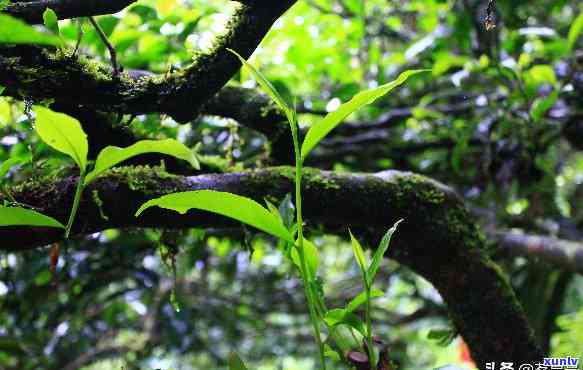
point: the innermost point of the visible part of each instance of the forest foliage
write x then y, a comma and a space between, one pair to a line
105, 152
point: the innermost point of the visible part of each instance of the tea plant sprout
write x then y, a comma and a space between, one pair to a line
303, 253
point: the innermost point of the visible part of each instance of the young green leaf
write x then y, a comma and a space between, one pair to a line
15, 31
540, 106
444, 337
345, 338
113, 155
2, 88
11, 162
575, 30
331, 354
339, 316
17, 216
380, 253
358, 254
334, 316
312, 257
320, 129
62, 133
230, 205
235, 362
273, 209
267, 87
286, 210
51, 21
360, 299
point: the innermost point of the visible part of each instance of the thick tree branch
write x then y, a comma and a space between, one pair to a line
32, 11
563, 253
38, 73
438, 240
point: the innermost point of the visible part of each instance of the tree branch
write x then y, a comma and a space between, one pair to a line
563, 253
37, 73
438, 240
32, 11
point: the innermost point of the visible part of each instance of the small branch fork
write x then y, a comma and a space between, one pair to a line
108, 45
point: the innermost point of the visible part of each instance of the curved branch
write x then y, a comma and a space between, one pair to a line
32, 11
563, 253
37, 73
438, 240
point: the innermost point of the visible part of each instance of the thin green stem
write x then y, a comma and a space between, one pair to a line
304, 266
369, 340
78, 192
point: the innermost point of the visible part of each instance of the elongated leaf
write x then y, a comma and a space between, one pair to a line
62, 133
334, 316
11, 162
380, 252
2, 88
16, 216
234, 206
15, 31
345, 338
575, 31
338, 315
360, 299
51, 21
267, 87
319, 130
235, 362
359, 255
286, 210
113, 155
273, 209
312, 257
541, 106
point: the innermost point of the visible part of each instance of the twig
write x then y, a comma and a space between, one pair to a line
112, 52
79, 37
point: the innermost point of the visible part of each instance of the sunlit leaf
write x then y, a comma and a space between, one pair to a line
312, 257
165, 7
360, 299
320, 129
51, 20
380, 253
113, 155
63, 133
345, 337
358, 254
17, 216
575, 31
235, 362
334, 316
15, 31
234, 206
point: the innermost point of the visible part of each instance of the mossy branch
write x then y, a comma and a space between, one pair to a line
438, 239
40, 73
32, 11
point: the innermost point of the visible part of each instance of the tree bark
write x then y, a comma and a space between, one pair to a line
438, 239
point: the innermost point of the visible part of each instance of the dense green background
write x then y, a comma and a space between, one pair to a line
476, 123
